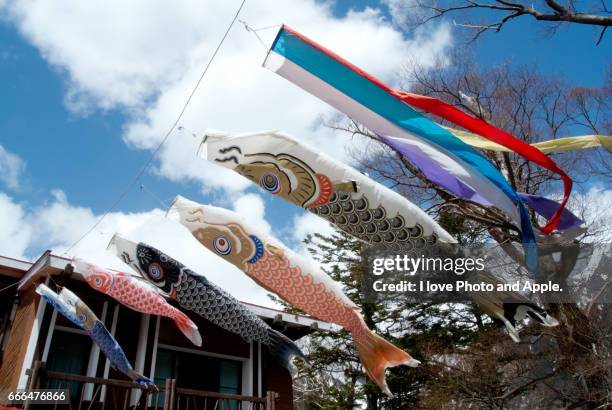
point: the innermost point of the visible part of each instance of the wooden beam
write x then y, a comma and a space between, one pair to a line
17, 343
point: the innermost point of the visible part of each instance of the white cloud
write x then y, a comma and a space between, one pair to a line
114, 52
11, 168
251, 207
399, 10
15, 229
405, 13
145, 56
308, 224
593, 207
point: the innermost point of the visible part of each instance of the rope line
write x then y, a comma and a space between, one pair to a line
254, 31
267, 27
146, 190
145, 167
9, 286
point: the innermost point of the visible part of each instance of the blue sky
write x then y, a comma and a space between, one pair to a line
92, 151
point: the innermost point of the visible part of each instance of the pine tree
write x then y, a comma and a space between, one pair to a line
335, 378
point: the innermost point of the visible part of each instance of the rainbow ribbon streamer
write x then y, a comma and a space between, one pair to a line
375, 105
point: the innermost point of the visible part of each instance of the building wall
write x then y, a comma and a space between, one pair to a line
140, 336
7, 308
17, 342
278, 379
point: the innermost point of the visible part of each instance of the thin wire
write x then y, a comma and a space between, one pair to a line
183, 128
57, 286
9, 286
163, 141
267, 27
252, 30
144, 189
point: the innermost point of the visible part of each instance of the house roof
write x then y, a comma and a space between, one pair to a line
48, 264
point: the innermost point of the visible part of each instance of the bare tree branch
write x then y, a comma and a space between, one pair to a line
505, 11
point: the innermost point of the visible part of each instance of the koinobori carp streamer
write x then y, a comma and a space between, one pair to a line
73, 308
294, 278
349, 200
196, 293
136, 294
508, 307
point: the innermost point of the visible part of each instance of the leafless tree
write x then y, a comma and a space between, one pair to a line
531, 106
534, 108
502, 12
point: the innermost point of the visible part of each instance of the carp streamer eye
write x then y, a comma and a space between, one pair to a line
270, 183
156, 272
222, 245
98, 282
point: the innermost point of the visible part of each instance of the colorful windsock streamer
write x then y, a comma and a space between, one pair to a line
368, 101
555, 146
296, 279
73, 308
446, 179
501, 137
136, 294
547, 208
196, 293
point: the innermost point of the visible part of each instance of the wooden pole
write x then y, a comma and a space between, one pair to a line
167, 394
172, 394
32, 382
270, 400
42, 376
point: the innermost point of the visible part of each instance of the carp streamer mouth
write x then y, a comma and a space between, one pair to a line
228, 159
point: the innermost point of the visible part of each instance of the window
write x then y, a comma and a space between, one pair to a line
196, 371
69, 353
230, 376
165, 366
